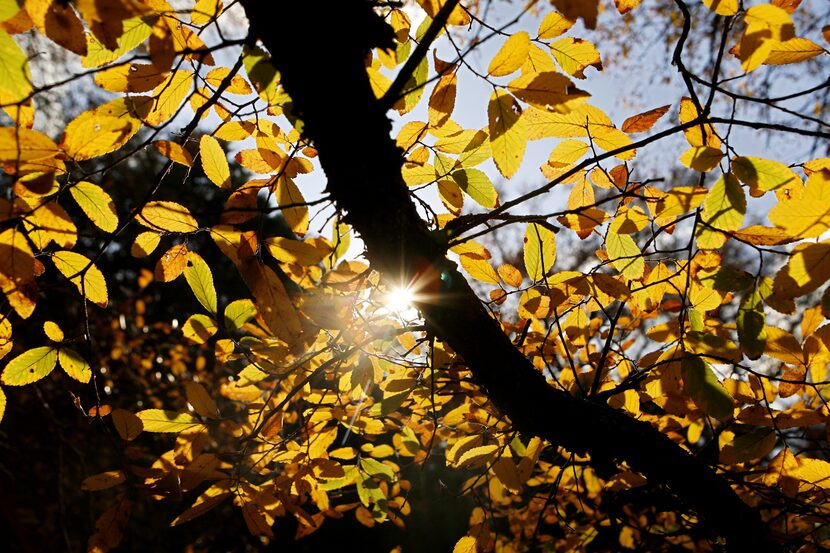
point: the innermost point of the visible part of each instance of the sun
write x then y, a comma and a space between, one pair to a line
399, 301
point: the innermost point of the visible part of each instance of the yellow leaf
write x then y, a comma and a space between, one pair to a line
17, 268
238, 84
15, 81
103, 480
136, 31
169, 95
295, 251
168, 217
83, 274
458, 16
807, 269
802, 218
159, 420
214, 162
553, 25
126, 424
2, 404
567, 153
26, 151
510, 275
272, 300
625, 6
53, 331
199, 328
442, 99
794, 50
722, 7
695, 135
539, 251
144, 244
701, 158
50, 222
200, 400
30, 366
586, 9
131, 77
6, 342
74, 365
174, 152
477, 456
625, 255
205, 11
511, 55
547, 88
9, 8
199, 277
755, 46
205, 502
291, 200
763, 236
479, 268
467, 544
96, 204
765, 174
574, 55
507, 133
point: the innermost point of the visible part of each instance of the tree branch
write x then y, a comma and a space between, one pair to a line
319, 48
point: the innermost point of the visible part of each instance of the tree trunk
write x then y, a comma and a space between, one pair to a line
319, 47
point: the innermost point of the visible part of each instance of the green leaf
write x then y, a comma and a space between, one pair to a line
375, 468
477, 185
74, 365
200, 279
30, 366
751, 323
239, 312
704, 387
159, 420
625, 255
725, 204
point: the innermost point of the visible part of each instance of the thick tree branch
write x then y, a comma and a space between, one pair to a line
320, 48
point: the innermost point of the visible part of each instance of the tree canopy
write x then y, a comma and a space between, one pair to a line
378, 317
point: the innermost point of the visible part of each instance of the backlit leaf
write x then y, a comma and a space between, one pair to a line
168, 217
200, 400
644, 121
200, 278
507, 133
96, 204
74, 365
214, 162
174, 152
539, 251
30, 366
199, 328
511, 56
103, 480
704, 387
83, 274
239, 312
574, 55
159, 420
807, 270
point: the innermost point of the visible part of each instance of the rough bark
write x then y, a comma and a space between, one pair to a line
319, 47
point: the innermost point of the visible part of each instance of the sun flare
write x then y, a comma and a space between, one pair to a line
399, 300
